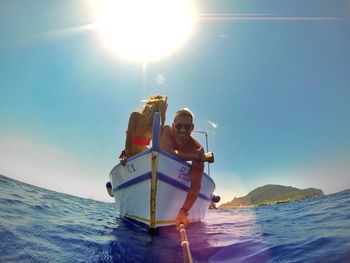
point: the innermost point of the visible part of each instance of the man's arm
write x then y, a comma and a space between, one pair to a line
198, 156
191, 156
196, 180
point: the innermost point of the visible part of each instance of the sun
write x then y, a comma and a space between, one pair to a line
145, 30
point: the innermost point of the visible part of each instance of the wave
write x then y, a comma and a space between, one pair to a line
38, 225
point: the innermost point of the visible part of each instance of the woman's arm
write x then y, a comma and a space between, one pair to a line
130, 132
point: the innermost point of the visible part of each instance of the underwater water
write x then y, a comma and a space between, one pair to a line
38, 225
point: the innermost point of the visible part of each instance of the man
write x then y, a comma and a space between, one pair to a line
177, 140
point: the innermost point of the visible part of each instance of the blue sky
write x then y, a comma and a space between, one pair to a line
273, 75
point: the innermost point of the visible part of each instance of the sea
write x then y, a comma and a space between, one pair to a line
38, 225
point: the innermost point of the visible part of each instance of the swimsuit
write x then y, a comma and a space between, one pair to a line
138, 140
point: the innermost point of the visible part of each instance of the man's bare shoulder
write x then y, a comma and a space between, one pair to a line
166, 130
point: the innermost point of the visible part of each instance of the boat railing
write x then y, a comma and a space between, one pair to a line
207, 145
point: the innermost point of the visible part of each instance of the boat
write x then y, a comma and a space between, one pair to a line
152, 186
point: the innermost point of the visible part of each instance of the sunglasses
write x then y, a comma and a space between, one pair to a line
187, 127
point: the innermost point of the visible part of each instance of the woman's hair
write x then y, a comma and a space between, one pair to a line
154, 102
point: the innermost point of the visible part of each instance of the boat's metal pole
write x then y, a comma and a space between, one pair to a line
206, 140
154, 170
207, 145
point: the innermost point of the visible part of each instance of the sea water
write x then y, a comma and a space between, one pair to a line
39, 225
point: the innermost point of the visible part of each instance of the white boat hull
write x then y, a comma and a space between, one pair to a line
132, 189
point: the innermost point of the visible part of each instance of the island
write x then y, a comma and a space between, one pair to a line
271, 194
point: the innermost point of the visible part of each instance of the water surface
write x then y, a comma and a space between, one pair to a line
39, 225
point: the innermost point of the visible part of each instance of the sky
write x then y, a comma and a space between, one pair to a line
269, 81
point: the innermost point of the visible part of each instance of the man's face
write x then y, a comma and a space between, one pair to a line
183, 127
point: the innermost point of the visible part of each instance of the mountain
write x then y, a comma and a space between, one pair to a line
272, 194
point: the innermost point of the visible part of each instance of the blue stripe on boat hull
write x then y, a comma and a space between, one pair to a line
179, 185
136, 180
161, 177
173, 157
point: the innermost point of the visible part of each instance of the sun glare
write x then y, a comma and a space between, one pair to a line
145, 30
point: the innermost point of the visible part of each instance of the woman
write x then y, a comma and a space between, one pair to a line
139, 133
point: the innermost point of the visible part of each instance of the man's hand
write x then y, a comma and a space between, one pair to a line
181, 218
207, 157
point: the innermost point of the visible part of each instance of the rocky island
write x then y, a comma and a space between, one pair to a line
271, 194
